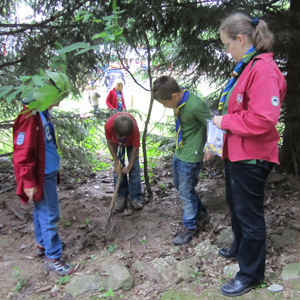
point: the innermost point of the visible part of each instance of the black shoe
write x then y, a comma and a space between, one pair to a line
203, 216
185, 236
236, 287
226, 253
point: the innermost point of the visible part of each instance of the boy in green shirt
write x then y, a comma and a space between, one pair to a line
191, 122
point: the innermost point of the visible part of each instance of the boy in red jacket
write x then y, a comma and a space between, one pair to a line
36, 164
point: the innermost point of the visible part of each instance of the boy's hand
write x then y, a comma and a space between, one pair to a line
126, 170
207, 157
118, 168
30, 193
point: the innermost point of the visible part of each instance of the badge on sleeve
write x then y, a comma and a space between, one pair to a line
21, 137
275, 101
239, 99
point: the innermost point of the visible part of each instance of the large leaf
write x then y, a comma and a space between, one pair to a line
13, 95
38, 80
118, 32
63, 68
2, 88
96, 47
86, 17
46, 92
114, 5
99, 35
82, 51
5, 90
111, 36
58, 79
66, 80
27, 93
25, 78
73, 47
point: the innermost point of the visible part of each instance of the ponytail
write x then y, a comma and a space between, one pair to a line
256, 30
262, 37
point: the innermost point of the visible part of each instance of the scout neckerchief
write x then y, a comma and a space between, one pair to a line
177, 123
46, 114
235, 74
121, 151
51, 127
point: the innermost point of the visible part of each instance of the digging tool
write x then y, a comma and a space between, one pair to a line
113, 200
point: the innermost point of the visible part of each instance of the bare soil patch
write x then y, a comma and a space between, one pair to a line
143, 235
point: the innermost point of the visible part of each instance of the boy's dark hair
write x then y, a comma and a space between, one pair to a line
123, 125
164, 87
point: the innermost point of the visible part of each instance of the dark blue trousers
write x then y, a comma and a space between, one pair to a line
131, 186
245, 185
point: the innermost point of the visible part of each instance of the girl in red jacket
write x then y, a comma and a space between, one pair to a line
250, 107
115, 98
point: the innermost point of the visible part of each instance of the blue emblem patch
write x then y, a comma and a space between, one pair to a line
21, 137
275, 101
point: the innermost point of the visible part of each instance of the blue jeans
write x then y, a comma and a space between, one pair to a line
245, 185
133, 186
185, 176
46, 217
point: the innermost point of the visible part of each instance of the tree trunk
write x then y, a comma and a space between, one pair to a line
146, 175
290, 150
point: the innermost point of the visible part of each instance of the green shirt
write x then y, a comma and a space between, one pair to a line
193, 120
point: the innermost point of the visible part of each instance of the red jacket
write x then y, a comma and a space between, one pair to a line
253, 112
111, 99
29, 154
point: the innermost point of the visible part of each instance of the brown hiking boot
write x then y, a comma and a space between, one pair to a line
135, 204
120, 203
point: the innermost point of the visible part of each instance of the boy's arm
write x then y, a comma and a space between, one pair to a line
113, 153
202, 113
133, 157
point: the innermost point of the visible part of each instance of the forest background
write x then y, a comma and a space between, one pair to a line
76, 41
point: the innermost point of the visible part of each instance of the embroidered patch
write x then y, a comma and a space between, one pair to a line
239, 99
21, 137
275, 101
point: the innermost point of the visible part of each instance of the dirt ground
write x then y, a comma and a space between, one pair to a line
144, 235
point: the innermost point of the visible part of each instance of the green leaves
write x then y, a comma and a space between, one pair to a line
4, 90
60, 79
13, 95
38, 80
44, 97
74, 47
85, 47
